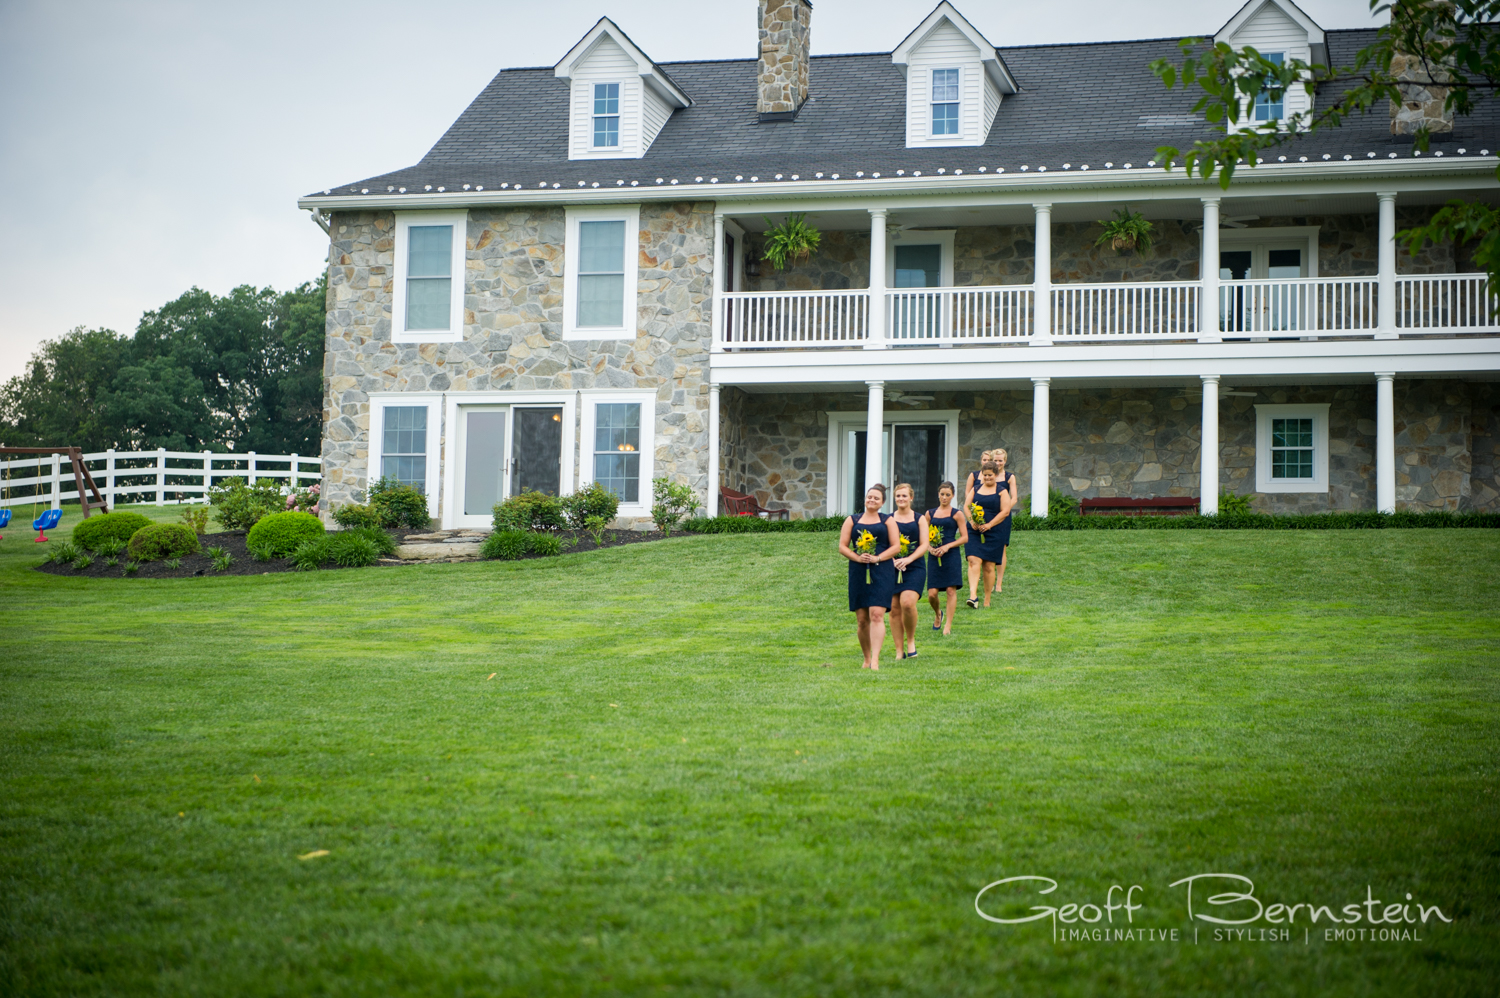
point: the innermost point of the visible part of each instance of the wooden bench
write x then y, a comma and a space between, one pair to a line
1135, 506
740, 504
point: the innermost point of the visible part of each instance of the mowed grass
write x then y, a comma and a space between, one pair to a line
679, 781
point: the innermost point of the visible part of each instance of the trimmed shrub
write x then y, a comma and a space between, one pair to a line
163, 540
529, 511
278, 534
592, 501
546, 545
353, 514
755, 525
239, 506
398, 505
97, 531
507, 545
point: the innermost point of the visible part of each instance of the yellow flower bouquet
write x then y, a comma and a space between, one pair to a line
935, 539
905, 550
865, 544
976, 513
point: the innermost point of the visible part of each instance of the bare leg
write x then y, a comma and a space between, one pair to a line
909, 620
862, 628
877, 634
952, 605
898, 624
989, 581
974, 573
1000, 572
932, 601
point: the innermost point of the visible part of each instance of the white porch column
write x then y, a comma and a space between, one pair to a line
1386, 303
1208, 457
717, 298
1208, 278
876, 339
712, 499
874, 432
1041, 281
1041, 444
1385, 442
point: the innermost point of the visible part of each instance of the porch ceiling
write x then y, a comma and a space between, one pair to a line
858, 219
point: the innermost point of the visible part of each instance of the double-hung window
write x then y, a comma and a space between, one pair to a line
617, 449
403, 445
427, 305
1291, 448
1270, 103
945, 102
606, 115
601, 261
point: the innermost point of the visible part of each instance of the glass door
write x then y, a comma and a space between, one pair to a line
536, 449
918, 459
855, 447
916, 316
484, 444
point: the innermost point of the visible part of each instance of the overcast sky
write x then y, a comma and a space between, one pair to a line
150, 146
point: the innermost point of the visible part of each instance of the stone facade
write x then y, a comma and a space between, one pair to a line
512, 337
785, 28
1145, 442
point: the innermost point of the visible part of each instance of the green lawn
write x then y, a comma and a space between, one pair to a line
663, 790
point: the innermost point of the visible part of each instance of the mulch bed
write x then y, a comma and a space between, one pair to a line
243, 564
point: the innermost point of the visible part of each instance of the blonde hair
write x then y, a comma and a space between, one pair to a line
1000, 453
909, 490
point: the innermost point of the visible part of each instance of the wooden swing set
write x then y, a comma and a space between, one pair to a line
90, 499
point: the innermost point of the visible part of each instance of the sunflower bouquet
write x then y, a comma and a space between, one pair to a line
905, 550
865, 544
976, 513
935, 540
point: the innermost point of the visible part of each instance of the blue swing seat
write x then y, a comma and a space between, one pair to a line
45, 522
4, 520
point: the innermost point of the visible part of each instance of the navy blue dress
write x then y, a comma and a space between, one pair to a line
1002, 532
914, 579
882, 585
950, 572
988, 546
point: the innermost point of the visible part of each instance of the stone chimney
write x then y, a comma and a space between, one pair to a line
1423, 89
783, 26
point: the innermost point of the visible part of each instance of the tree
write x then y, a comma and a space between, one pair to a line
1433, 45
62, 397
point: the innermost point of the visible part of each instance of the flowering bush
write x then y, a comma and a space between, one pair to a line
305, 500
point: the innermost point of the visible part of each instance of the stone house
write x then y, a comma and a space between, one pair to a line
569, 287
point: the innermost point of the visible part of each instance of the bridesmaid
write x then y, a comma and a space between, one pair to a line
971, 483
869, 600
944, 564
911, 572
1007, 482
983, 556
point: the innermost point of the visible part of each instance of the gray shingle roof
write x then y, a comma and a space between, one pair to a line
1080, 104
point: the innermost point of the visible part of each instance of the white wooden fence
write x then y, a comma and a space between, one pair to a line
162, 476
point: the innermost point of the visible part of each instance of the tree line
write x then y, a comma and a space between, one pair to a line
238, 372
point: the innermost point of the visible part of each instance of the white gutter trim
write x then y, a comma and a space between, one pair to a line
1478, 166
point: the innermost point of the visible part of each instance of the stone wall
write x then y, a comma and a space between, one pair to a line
512, 336
992, 255
1145, 442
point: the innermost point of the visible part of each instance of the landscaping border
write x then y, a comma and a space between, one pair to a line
1370, 520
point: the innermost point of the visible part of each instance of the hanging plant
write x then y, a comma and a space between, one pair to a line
1127, 232
792, 241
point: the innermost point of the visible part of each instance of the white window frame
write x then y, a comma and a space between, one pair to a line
946, 136
1318, 413
455, 331
374, 453
631, 214
592, 399
618, 116
452, 510
942, 238
841, 421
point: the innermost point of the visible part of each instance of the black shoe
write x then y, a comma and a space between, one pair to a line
972, 603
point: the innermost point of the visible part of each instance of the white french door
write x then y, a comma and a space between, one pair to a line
501, 450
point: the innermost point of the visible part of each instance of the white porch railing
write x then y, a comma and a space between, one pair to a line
147, 476
1126, 311
959, 315
1304, 307
796, 318
1445, 303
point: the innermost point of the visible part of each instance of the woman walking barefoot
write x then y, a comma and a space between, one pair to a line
994, 504
869, 541
911, 572
1007, 481
944, 564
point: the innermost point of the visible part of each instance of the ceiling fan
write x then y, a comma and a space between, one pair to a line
905, 399
1237, 221
1198, 392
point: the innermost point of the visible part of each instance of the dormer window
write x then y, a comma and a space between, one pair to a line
606, 115
945, 102
1270, 104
